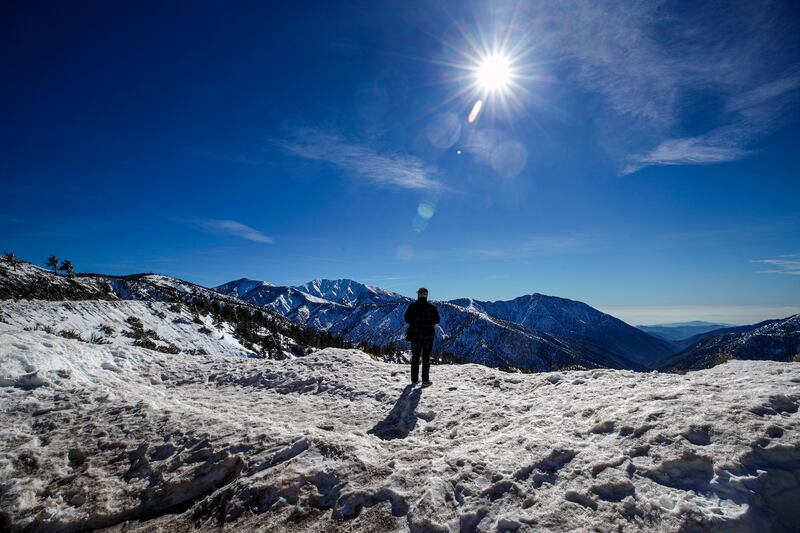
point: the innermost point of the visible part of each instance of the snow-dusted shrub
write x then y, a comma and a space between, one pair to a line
98, 339
145, 343
168, 348
46, 328
70, 334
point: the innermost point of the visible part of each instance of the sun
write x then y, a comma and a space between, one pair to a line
494, 72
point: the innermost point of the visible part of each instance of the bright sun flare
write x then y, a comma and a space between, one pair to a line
494, 72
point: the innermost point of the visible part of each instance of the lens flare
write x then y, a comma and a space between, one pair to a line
494, 72
492, 58
426, 210
476, 110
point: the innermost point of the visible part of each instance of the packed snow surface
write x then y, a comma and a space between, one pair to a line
128, 439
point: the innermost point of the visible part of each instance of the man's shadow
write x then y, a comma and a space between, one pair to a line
402, 418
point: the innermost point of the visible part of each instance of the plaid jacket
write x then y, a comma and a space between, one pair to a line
421, 316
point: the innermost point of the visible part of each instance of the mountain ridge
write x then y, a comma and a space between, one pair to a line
531, 332
538, 320
681, 332
776, 340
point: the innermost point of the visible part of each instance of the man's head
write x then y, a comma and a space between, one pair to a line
422, 293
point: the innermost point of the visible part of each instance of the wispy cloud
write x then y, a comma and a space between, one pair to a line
783, 264
701, 150
362, 162
755, 114
232, 228
654, 66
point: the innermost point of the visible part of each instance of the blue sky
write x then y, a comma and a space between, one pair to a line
643, 159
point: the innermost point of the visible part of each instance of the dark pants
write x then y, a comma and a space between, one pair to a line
421, 349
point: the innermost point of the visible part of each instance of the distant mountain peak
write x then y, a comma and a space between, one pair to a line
348, 292
241, 286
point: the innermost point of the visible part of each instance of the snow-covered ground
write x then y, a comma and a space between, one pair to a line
107, 322
121, 437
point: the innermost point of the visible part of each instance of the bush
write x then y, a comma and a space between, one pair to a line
106, 329
205, 331
71, 334
98, 339
168, 348
796, 358
145, 343
176, 307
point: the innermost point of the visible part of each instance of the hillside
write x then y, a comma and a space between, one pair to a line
772, 340
251, 330
169, 327
130, 439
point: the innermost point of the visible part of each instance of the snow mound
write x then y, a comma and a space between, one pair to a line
121, 437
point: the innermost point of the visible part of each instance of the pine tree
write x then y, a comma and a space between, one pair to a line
218, 322
52, 261
11, 259
67, 267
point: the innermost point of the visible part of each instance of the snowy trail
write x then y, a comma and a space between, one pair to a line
120, 437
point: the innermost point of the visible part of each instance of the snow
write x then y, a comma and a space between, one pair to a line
118, 436
349, 292
86, 317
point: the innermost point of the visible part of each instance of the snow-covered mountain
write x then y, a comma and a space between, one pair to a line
575, 320
241, 286
349, 292
694, 339
122, 438
532, 332
775, 340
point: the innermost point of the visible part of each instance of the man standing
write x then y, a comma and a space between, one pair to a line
421, 316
